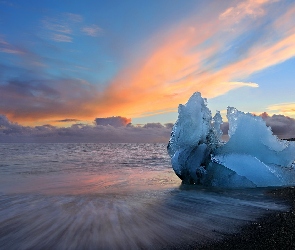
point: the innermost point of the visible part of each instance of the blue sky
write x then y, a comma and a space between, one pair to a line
79, 60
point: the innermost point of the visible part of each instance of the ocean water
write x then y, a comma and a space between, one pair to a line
112, 196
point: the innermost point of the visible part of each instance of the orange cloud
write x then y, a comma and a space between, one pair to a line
171, 66
287, 109
186, 61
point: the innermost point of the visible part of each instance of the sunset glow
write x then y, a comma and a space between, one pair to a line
73, 64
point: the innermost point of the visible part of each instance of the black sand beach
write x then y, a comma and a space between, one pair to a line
274, 231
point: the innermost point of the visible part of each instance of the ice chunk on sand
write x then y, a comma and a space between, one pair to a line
192, 125
193, 138
253, 156
250, 135
250, 167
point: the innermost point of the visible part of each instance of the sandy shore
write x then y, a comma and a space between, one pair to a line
275, 231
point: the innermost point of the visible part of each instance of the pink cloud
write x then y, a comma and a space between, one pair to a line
8, 48
92, 30
61, 38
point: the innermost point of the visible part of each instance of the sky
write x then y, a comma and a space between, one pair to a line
69, 64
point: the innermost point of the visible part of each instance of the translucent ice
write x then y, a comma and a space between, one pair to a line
192, 126
250, 167
250, 135
253, 156
193, 139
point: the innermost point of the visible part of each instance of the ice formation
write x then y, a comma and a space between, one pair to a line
253, 156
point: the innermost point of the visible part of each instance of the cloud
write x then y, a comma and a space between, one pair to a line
169, 125
68, 120
115, 121
244, 84
4, 122
202, 53
224, 128
282, 126
92, 30
5, 47
61, 38
12, 132
8, 128
191, 57
11, 51
65, 26
153, 125
24, 60
57, 26
74, 17
283, 108
36, 100
252, 8
3, 42
60, 28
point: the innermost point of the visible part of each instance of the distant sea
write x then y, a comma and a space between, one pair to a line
112, 196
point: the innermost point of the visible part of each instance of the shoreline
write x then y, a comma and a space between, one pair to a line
273, 231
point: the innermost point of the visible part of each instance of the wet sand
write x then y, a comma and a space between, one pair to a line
175, 218
274, 231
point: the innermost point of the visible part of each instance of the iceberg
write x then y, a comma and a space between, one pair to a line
252, 157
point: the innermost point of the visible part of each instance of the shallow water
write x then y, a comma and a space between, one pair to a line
111, 196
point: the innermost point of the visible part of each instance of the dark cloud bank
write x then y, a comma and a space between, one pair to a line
111, 129
117, 129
